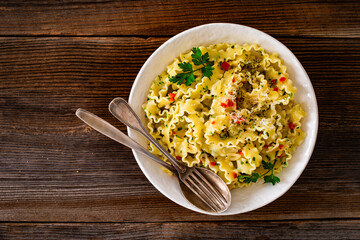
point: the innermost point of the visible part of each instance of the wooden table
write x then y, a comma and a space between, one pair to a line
60, 180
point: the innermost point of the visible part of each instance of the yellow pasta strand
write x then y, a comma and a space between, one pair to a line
231, 122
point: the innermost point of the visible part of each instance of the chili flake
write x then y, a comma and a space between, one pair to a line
212, 163
213, 122
276, 89
291, 126
178, 158
225, 66
240, 152
224, 105
234, 174
230, 103
240, 121
281, 146
282, 79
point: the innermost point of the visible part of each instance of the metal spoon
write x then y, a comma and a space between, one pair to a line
205, 184
112, 132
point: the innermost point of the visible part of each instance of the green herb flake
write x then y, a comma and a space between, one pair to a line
267, 165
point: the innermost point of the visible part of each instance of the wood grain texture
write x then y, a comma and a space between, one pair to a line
165, 18
339, 229
54, 168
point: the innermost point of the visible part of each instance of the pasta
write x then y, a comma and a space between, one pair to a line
241, 122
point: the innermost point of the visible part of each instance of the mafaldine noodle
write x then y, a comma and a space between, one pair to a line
242, 122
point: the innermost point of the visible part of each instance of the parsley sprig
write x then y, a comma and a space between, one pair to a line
271, 178
198, 59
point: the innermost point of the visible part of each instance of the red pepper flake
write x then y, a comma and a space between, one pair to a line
225, 66
231, 93
234, 174
230, 103
171, 97
282, 79
240, 152
178, 158
224, 105
281, 146
291, 126
173, 132
276, 89
192, 130
213, 122
280, 155
240, 121
233, 80
273, 81
212, 163
270, 145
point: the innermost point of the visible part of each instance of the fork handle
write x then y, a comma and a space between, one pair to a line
112, 132
122, 111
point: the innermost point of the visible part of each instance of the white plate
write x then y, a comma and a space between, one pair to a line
258, 194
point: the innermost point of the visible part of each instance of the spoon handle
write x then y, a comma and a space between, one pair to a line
122, 111
112, 132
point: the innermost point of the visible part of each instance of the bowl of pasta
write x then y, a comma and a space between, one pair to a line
232, 99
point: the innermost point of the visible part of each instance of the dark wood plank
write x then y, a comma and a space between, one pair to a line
156, 17
337, 229
54, 168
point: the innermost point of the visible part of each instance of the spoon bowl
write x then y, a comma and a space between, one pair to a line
212, 179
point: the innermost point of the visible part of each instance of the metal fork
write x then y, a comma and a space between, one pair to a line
214, 193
